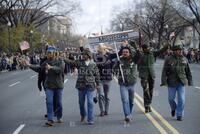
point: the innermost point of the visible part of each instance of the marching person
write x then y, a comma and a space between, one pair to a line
147, 73
127, 80
104, 63
176, 75
53, 84
88, 80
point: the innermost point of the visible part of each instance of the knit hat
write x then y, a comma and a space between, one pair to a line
51, 49
176, 47
87, 52
145, 46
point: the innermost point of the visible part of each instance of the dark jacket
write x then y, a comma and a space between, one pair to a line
41, 75
176, 70
146, 63
129, 69
54, 77
105, 65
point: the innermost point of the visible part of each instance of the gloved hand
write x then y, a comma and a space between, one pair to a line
95, 99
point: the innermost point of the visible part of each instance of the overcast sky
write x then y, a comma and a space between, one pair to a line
96, 13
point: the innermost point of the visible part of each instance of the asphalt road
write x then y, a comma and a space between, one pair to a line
22, 108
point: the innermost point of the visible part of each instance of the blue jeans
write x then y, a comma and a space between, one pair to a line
50, 93
179, 106
103, 96
89, 94
127, 97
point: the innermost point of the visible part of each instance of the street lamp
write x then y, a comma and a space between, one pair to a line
167, 36
9, 25
31, 33
121, 27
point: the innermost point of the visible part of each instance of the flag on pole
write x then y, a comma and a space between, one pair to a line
24, 45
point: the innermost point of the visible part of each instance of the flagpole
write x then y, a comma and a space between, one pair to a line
120, 66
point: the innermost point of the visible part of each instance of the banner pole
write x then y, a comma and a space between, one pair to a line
120, 66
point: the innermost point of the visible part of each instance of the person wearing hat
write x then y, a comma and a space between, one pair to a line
147, 73
176, 75
53, 84
88, 80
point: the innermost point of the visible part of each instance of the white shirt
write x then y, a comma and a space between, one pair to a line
87, 62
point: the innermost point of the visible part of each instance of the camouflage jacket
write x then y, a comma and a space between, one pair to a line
88, 76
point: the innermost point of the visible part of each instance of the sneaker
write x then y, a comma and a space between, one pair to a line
173, 112
102, 114
82, 119
60, 121
146, 109
127, 120
49, 123
179, 118
90, 122
105, 113
149, 109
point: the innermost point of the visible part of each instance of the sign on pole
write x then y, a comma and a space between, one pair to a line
114, 37
24, 45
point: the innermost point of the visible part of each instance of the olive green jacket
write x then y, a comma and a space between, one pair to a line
146, 63
129, 69
176, 69
88, 76
54, 77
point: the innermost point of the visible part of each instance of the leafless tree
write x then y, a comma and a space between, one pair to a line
34, 12
189, 10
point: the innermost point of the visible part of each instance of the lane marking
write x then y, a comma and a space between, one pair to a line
65, 80
15, 73
33, 76
165, 122
153, 121
197, 87
19, 129
14, 84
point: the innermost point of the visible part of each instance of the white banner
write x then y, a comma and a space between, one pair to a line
114, 37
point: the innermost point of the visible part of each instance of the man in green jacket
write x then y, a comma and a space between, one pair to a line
127, 80
88, 79
147, 73
53, 85
176, 74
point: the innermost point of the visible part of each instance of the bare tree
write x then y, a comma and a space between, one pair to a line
34, 12
189, 10
157, 21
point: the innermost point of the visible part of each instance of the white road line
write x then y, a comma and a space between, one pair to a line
14, 84
33, 76
197, 87
65, 80
19, 129
15, 73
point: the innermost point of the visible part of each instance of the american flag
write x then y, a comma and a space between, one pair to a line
24, 45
